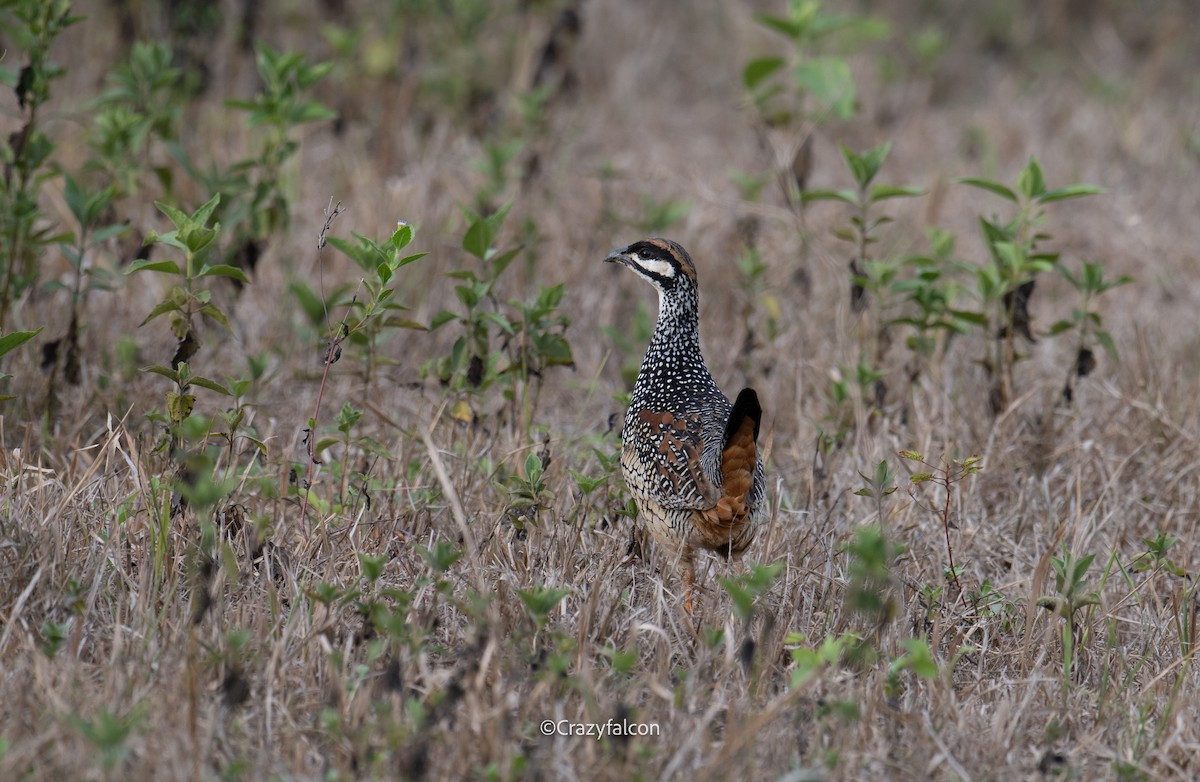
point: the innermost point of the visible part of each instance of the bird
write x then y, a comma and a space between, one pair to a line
689, 456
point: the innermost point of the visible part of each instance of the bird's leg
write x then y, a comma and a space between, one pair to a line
689, 584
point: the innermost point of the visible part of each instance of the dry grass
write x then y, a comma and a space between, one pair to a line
221, 662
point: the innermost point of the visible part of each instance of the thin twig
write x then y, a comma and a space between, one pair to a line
456, 507
332, 353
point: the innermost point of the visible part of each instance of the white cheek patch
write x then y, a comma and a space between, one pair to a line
655, 266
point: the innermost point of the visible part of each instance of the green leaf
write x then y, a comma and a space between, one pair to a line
845, 196
372, 566
481, 232
1031, 182
197, 237
502, 261
401, 237
918, 658
760, 69
1070, 277
109, 231
364, 253
468, 295
325, 443
312, 305
1061, 326
211, 385
163, 307
1106, 341
533, 467
540, 601
166, 372
791, 29
441, 555
552, 296
866, 166
441, 319
211, 311
884, 192
829, 81
409, 259
991, 187
10, 342
311, 112
145, 264
1009, 254
745, 589
223, 270
1070, 191
76, 200
976, 318
176, 216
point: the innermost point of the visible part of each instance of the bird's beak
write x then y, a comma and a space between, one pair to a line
618, 256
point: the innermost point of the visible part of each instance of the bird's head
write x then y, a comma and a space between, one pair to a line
662, 262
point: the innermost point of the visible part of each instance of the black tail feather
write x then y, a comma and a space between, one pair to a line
746, 406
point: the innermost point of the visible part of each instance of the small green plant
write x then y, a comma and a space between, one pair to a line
188, 299
1086, 322
32, 26
88, 209
1073, 594
761, 309
873, 281
352, 444
528, 493
137, 119
52, 636
536, 341
1005, 283
181, 402
109, 731
470, 365
279, 108
991, 603
917, 658
531, 333
364, 323
441, 556
880, 485
871, 591
495, 165
853, 394
9, 343
378, 314
808, 662
947, 476
745, 590
870, 574
1155, 558
539, 601
811, 81
929, 296
1157, 565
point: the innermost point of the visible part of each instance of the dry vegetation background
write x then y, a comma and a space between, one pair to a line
134, 644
